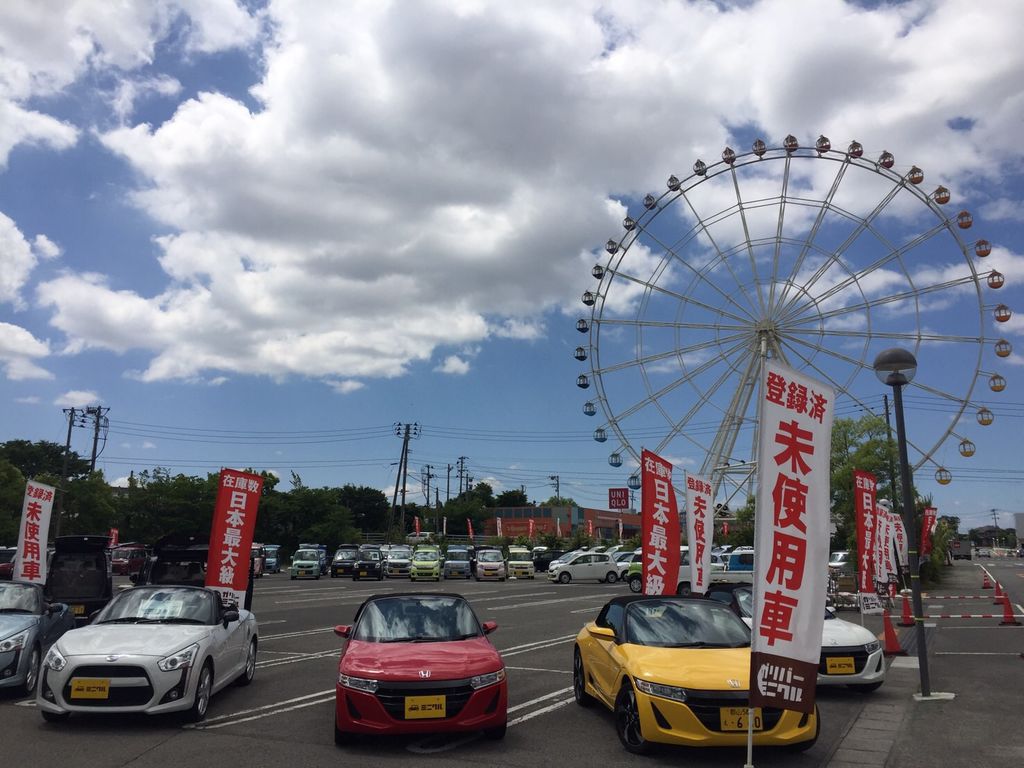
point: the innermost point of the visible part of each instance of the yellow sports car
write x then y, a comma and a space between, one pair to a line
675, 670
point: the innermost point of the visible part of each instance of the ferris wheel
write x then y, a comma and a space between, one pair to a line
817, 257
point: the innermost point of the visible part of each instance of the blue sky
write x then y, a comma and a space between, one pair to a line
262, 234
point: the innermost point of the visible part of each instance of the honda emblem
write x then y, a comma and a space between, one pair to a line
424, 673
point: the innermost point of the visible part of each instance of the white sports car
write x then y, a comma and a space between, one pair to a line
850, 654
152, 649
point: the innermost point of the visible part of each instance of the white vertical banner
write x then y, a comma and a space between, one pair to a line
699, 527
902, 543
30, 559
791, 533
445, 519
498, 524
886, 568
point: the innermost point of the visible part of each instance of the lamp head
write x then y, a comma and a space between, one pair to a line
895, 366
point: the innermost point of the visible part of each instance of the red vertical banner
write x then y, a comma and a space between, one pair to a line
699, 527
928, 529
530, 529
30, 556
416, 524
791, 533
864, 489
590, 528
469, 526
659, 526
112, 538
234, 523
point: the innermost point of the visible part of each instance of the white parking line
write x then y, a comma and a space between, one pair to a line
538, 669
603, 599
542, 711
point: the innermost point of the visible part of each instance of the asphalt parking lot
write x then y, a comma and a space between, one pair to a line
285, 716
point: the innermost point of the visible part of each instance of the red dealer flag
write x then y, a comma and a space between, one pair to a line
234, 523
927, 529
530, 529
790, 538
30, 556
659, 526
590, 528
416, 524
865, 485
469, 525
699, 527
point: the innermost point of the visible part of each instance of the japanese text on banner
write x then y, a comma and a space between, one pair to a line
234, 524
660, 534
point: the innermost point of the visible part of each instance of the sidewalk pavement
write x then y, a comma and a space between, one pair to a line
977, 660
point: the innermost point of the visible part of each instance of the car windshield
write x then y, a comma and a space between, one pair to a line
416, 618
74, 574
489, 556
426, 556
371, 554
458, 556
346, 554
19, 598
161, 605
307, 554
399, 553
684, 623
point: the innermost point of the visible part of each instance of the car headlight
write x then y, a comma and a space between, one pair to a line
358, 683
873, 646
662, 691
183, 658
491, 678
54, 659
14, 642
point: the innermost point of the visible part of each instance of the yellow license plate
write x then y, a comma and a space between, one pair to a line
840, 665
89, 688
735, 718
363, 573
421, 707
303, 573
78, 610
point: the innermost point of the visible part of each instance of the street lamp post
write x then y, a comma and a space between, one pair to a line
895, 367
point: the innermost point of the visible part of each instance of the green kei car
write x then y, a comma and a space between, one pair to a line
305, 564
426, 564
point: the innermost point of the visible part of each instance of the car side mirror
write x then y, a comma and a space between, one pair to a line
489, 626
603, 632
229, 616
343, 630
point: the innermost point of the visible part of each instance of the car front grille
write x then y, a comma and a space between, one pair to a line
118, 696
857, 652
706, 707
456, 693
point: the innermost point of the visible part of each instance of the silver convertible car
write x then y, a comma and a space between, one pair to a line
153, 649
28, 627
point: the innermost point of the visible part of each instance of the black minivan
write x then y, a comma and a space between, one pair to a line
80, 574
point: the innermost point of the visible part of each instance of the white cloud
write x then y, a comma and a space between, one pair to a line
19, 350
16, 262
346, 387
408, 179
454, 365
148, 445
77, 399
28, 400
45, 248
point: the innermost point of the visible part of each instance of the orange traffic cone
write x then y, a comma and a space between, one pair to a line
892, 645
1008, 618
906, 619
998, 595
986, 584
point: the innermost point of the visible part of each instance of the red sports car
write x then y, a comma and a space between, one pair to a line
419, 663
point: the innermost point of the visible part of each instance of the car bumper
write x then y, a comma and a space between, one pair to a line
367, 713
697, 724
304, 573
451, 573
869, 668
397, 571
13, 667
417, 574
490, 575
522, 572
134, 684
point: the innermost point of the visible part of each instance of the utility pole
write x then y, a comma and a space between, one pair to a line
99, 419
448, 488
405, 431
557, 484
462, 471
426, 476
64, 471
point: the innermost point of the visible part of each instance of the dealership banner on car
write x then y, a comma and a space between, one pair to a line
30, 557
865, 486
791, 533
928, 522
699, 529
659, 526
234, 523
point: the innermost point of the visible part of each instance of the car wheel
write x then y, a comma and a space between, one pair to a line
611, 577
54, 717
564, 577
866, 687
579, 681
249, 672
636, 583
204, 688
627, 722
496, 733
31, 674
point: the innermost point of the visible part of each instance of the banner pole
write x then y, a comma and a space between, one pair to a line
750, 738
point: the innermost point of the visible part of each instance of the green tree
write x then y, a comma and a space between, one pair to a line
369, 506
88, 506
12, 497
42, 458
857, 444
512, 498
